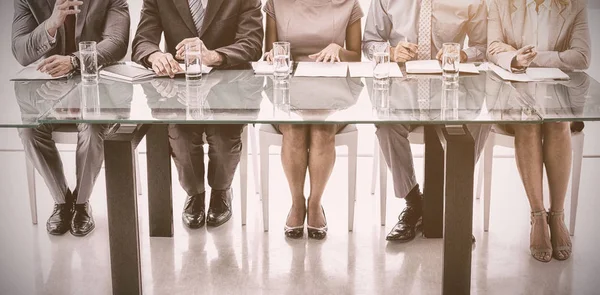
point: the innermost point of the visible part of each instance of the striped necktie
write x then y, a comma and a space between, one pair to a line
197, 10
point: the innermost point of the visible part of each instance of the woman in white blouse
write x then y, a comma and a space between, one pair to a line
542, 33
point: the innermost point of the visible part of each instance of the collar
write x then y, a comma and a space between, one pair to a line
547, 3
205, 3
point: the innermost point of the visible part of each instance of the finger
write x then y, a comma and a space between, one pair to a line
327, 57
45, 62
180, 53
410, 46
439, 55
404, 56
160, 67
337, 58
167, 66
157, 71
321, 57
314, 56
175, 66
50, 67
68, 4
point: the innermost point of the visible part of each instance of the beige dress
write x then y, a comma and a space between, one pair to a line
311, 25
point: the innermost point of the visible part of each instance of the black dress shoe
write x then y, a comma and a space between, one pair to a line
193, 215
219, 210
60, 221
83, 222
408, 221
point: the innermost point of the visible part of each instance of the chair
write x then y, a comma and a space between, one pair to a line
64, 137
497, 138
270, 137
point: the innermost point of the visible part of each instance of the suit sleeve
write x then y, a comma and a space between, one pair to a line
496, 35
148, 34
115, 36
577, 56
477, 31
30, 40
247, 45
378, 27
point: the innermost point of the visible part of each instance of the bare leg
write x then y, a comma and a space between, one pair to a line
529, 157
294, 158
320, 164
557, 158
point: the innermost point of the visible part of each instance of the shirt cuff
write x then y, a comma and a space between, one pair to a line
51, 39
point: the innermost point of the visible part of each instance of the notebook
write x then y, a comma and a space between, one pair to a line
530, 75
434, 67
133, 72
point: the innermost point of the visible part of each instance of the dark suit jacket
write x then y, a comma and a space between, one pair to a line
233, 28
104, 21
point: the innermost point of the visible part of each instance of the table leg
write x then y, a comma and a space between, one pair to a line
122, 217
433, 189
160, 194
458, 226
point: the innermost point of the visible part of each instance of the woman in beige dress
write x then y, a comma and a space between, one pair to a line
317, 31
542, 33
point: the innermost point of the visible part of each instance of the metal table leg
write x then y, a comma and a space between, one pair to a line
160, 194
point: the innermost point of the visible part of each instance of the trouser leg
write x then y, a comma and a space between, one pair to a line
89, 158
224, 153
188, 155
41, 150
394, 144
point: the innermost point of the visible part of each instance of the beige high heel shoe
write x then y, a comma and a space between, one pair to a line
539, 221
561, 248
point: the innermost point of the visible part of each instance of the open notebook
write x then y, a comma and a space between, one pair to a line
31, 73
531, 74
434, 67
133, 72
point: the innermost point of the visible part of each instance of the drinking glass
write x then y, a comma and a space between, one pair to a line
381, 98
381, 56
281, 97
193, 61
88, 55
450, 62
281, 59
195, 96
450, 101
90, 99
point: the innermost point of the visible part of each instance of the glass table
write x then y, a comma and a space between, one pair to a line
240, 97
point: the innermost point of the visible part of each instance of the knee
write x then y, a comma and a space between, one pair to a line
27, 135
225, 139
323, 134
527, 130
392, 130
294, 135
92, 132
557, 129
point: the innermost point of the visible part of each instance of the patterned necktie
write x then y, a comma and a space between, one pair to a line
197, 10
424, 53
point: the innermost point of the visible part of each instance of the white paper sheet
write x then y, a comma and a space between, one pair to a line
423, 67
263, 68
321, 69
31, 73
365, 70
468, 68
531, 75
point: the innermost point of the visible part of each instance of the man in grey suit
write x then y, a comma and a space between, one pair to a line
50, 30
416, 30
231, 33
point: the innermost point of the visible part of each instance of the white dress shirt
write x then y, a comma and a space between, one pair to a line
537, 23
397, 21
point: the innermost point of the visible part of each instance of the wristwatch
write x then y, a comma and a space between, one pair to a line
74, 62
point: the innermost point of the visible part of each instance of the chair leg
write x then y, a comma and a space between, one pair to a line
374, 170
488, 158
480, 167
138, 178
32, 192
252, 133
264, 180
244, 175
382, 187
578, 141
352, 162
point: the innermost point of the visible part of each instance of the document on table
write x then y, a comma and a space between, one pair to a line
365, 70
263, 68
31, 73
322, 69
133, 72
530, 75
434, 67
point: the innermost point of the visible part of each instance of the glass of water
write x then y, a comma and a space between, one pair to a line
451, 62
381, 56
88, 55
281, 97
193, 61
281, 59
90, 99
381, 98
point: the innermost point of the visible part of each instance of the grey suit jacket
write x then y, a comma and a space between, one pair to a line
104, 21
569, 34
233, 28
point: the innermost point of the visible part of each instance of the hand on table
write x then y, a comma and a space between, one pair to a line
524, 58
210, 58
56, 65
163, 64
404, 51
331, 53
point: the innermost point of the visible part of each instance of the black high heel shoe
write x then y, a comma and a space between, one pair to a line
294, 232
317, 233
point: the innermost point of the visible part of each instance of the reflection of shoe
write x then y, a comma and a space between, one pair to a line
560, 238
405, 229
219, 210
541, 251
294, 232
83, 222
317, 233
193, 215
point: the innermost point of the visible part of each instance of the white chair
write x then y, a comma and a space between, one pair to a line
497, 138
248, 132
270, 137
417, 136
64, 138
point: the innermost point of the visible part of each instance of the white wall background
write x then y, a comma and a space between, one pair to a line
11, 141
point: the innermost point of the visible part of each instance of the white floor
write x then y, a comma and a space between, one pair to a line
245, 260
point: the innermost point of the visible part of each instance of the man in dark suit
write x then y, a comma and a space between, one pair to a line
231, 33
50, 30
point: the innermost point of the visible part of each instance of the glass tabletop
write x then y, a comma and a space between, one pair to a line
240, 96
